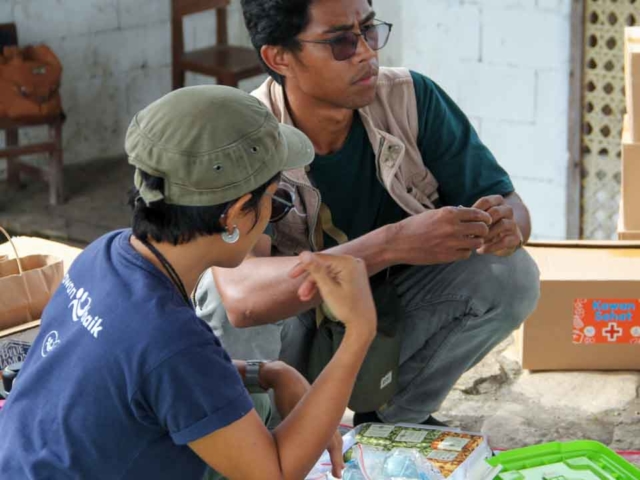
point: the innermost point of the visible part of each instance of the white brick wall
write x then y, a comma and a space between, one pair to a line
133, 13
506, 63
46, 19
510, 39
6, 11
117, 59
496, 92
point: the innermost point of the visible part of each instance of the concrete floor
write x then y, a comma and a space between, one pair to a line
514, 408
96, 203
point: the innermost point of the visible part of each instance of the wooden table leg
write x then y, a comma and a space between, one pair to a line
229, 80
178, 78
13, 163
56, 180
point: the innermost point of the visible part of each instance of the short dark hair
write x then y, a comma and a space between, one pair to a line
177, 224
276, 22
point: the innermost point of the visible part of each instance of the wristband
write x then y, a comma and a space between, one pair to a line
252, 376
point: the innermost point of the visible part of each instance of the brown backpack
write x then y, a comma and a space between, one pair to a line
29, 82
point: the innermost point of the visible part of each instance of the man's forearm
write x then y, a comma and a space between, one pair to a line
260, 291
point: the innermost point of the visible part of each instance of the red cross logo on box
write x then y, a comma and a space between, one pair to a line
612, 332
607, 321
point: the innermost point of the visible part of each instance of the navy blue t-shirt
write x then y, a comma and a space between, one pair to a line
122, 375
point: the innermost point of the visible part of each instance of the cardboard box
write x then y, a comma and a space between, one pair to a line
623, 232
632, 79
588, 317
630, 178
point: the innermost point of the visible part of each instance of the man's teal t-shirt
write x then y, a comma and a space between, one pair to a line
465, 168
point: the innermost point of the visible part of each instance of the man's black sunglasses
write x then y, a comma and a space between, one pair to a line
345, 45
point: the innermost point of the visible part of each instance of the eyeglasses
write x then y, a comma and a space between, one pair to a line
345, 46
281, 204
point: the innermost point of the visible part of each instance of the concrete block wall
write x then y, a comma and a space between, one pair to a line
117, 59
506, 63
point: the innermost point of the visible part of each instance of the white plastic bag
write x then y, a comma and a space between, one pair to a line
373, 463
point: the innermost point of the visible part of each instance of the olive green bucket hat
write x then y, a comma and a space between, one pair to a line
211, 144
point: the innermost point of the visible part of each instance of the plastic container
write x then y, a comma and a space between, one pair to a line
579, 460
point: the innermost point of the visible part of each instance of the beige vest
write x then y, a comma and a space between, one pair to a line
391, 122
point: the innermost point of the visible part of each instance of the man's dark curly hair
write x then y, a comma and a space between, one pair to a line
276, 22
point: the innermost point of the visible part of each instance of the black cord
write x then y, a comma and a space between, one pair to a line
170, 270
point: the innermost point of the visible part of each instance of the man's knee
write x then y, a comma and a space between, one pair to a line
512, 287
520, 285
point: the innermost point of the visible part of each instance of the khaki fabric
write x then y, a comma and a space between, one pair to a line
391, 122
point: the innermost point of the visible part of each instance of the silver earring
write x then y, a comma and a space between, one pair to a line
232, 237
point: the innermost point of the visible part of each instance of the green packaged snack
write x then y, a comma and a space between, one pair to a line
446, 450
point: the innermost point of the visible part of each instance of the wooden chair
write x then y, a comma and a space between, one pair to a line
13, 151
227, 63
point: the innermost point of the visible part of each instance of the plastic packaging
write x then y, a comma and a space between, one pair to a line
408, 464
374, 463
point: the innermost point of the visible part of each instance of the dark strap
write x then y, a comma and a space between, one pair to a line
326, 222
384, 275
170, 271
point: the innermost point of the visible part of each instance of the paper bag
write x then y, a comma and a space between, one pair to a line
26, 285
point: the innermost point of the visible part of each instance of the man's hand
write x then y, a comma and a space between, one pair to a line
441, 236
289, 388
504, 236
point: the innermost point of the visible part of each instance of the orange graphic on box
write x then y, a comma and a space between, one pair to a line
604, 320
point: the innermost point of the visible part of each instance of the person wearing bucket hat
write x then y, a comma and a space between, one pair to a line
401, 180
124, 380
